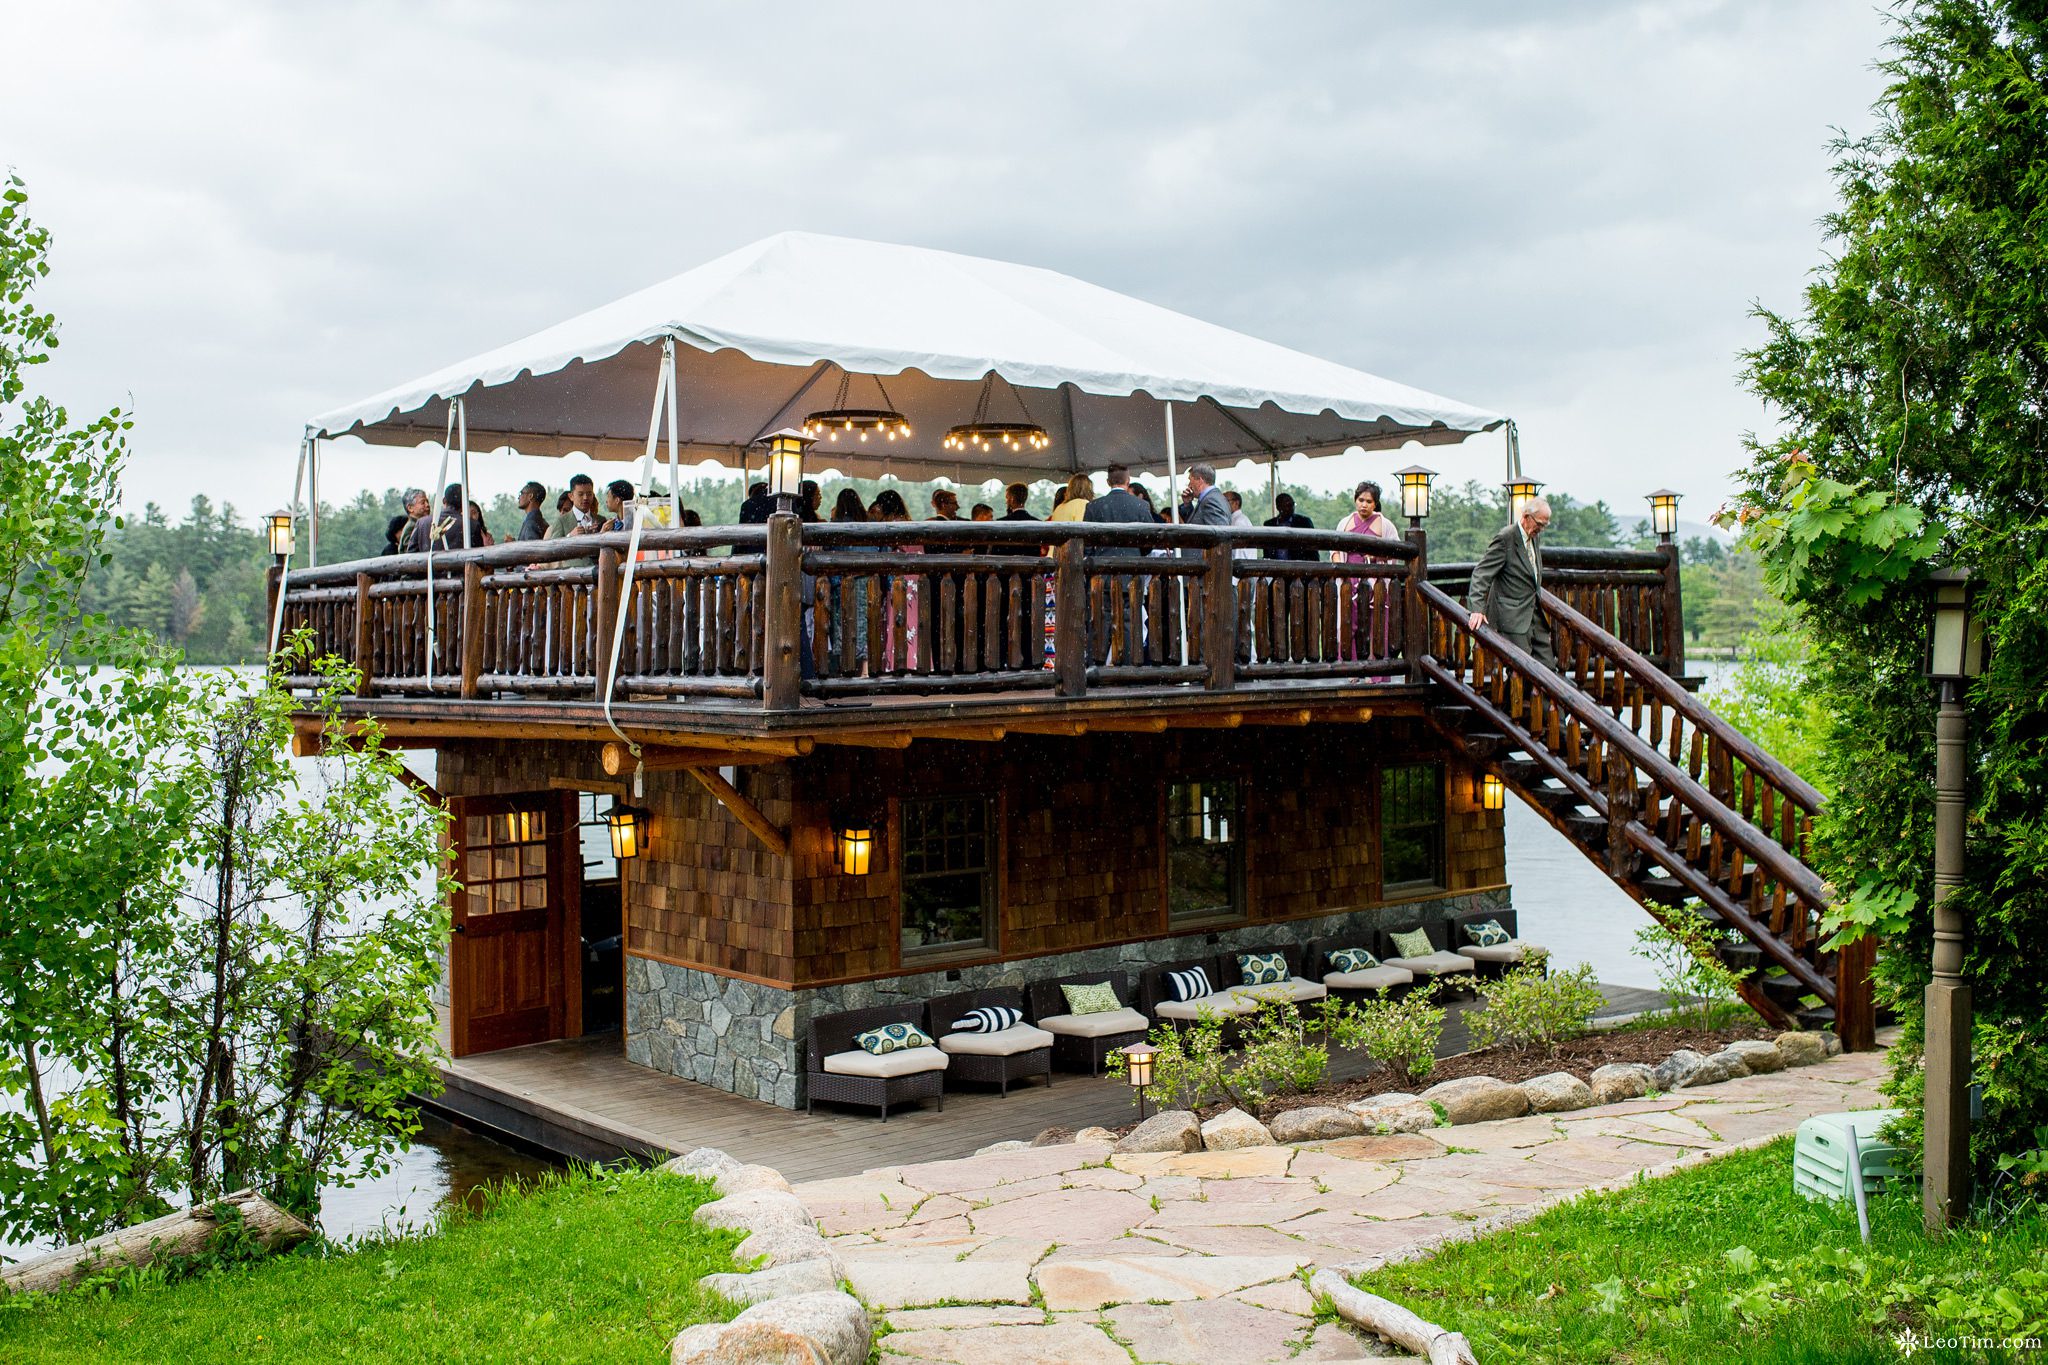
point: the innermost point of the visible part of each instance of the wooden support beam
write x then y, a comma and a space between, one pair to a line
1302, 716
745, 811
980, 734
1145, 725
618, 759
1052, 727
870, 739
420, 787
622, 790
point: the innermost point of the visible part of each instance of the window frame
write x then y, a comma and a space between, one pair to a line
1237, 909
1438, 878
990, 941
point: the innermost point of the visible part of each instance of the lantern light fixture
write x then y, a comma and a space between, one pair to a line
1138, 1070
282, 537
856, 849
843, 422
629, 830
1955, 638
1521, 491
984, 434
1493, 793
786, 465
1664, 514
1415, 491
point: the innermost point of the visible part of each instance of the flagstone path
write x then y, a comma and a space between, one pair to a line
1070, 1255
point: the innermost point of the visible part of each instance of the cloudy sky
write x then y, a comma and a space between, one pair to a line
1559, 211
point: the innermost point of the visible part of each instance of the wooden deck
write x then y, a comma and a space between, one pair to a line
582, 1099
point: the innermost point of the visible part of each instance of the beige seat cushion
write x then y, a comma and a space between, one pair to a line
1294, 989
1099, 1025
1002, 1043
1512, 951
1378, 978
906, 1061
1436, 964
1222, 1004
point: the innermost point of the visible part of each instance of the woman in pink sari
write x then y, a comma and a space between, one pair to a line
1365, 635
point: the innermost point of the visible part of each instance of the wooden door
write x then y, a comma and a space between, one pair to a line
515, 958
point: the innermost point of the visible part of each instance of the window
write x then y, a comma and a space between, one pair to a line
948, 881
1412, 826
1204, 857
505, 862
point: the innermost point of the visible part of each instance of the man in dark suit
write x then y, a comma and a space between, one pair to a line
754, 511
1120, 504
1284, 505
1014, 498
1506, 581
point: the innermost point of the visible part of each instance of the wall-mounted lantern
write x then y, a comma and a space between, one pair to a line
856, 849
1415, 491
282, 540
1664, 513
1493, 793
629, 830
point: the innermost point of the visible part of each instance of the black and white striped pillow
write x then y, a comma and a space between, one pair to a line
1188, 985
988, 1019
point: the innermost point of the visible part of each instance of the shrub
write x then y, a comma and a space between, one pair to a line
1402, 1033
1526, 1009
1278, 1058
1190, 1068
1694, 979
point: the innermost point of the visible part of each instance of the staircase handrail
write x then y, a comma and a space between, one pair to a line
1800, 879
1641, 670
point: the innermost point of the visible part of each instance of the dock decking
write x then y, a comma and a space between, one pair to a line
582, 1099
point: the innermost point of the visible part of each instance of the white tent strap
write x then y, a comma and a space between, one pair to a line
458, 431
298, 487
664, 397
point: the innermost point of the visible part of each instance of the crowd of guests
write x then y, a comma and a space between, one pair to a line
576, 513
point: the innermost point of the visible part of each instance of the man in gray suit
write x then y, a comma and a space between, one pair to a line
1507, 579
1203, 503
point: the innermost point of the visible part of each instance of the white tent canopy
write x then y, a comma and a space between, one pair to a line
764, 335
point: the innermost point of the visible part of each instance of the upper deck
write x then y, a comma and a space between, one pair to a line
780, 636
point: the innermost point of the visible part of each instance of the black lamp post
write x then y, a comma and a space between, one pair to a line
1955, 654
1414, 491
786, 466
1138, 1070
1664, 514
283, 539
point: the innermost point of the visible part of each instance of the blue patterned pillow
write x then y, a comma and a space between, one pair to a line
1191, 984
1488, 934
1263, 969
892, 1038
988, 1019
1353, 960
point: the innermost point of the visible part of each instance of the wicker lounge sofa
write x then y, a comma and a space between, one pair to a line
1081, 1041
1300, 989
837, 1070
1370, 984
1155, 994
1440, 966
998, 1058
1497, 959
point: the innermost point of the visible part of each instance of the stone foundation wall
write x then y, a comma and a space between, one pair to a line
748, 1039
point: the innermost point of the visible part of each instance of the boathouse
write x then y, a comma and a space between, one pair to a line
853, 763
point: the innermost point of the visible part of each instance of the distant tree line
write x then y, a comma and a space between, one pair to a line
198, 584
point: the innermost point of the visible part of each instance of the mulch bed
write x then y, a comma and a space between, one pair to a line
1579, 1056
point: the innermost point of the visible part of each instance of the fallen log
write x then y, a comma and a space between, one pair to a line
175, 1234
1390, 1320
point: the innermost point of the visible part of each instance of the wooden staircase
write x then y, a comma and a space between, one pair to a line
1670, 800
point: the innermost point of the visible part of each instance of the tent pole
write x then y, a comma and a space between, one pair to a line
277, 615
312, 499
462, 439
675, 466
433, 502
1180, 584
1273, 484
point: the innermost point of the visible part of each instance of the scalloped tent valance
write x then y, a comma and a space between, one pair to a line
764, 333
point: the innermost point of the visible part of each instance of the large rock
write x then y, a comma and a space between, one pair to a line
776, 1282
1318, 1123
756, 1210
745, 1179
1801, 1049
1758, 1055
1052, 1137
707, 1162
1830, 1043
787, 1246
1232, 1129
1556, 1092
1677, 1070
1394, 1113
1718, 1067
1102, 1136
1621, 1081
1176, 1130
1478, 1099
803, 1329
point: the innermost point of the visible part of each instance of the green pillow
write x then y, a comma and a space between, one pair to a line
1353, 960
1414, 943
892, 1038
1099, 998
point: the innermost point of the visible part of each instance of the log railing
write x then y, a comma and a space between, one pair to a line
1631, 594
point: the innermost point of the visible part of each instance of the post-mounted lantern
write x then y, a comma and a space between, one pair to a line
629, 830
1521, 492
283, 539
1414, 491
1664, 513
1955, 643
856, 848
786, 466
1138, 1070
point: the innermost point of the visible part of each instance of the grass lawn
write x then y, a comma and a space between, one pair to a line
1724, 1262
581, 1268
